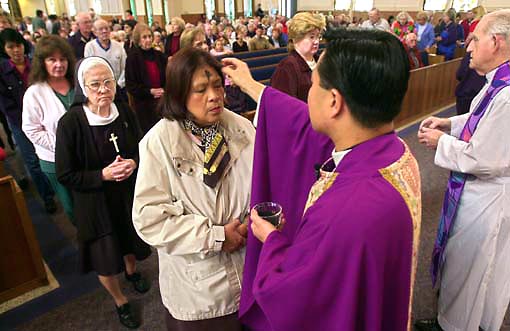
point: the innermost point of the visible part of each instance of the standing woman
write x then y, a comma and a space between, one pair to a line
425, 33
193, 187
403, 25
14, 71
172, 44
447, 40
293, 75
48, 98
145, 76
96, 158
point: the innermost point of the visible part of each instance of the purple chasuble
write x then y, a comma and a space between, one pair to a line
457, 180
345, 264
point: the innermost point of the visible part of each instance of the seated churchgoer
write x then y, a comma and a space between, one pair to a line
375, 21
96, 158
277, 39
192, 189
240, 45
145, 76
293, 74
410, 45
259, 41
219, 48
346, 256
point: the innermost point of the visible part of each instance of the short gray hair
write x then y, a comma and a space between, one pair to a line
498, 22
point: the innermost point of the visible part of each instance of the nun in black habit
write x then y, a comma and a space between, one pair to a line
96, 158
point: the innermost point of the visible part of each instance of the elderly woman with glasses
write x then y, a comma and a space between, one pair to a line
96, 158
293, 75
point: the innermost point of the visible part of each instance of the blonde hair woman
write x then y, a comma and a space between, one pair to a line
293, 75
177, 26
403, 25
145, 76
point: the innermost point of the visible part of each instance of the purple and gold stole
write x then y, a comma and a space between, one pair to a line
457, 180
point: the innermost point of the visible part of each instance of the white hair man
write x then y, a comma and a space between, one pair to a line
109, 49
472, 252
84, 34
375, 21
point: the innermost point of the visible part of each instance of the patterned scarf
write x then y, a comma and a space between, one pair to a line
457, 180
214, 146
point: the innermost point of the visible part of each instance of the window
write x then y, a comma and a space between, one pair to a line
5, 5
209, 8
248, 4
464, 5
434, 5
342, 4
363, 5
359, 5
50, 6
229, 9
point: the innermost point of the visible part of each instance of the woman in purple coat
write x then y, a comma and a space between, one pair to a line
293, 75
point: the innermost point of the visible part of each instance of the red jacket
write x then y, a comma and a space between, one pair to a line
416, 52
293, 76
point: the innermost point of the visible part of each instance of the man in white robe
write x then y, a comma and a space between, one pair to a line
474, 288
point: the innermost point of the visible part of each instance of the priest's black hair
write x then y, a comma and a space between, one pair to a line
370, 68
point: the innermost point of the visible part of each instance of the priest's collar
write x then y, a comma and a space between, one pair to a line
338, 156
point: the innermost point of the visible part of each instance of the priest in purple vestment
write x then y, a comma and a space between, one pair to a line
350, 190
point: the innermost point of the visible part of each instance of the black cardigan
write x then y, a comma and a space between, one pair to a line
79, 168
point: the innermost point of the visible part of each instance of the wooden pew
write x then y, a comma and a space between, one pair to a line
260, 61
430, 89
21, 266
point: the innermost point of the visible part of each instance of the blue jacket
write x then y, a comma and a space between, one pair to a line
12, 90
427, 37
448, 43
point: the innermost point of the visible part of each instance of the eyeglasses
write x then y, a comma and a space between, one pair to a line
108, 83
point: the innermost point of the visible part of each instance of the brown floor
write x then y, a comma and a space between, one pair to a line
95, 310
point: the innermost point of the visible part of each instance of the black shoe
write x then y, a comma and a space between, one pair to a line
50, 206
23, 183
428, 325
140, 284
126, 316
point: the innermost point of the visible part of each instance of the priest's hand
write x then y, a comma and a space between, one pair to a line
233, 239
443, 124
429, 137
260, 227
240, 75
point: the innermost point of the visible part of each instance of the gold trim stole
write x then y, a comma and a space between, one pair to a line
319, 187
404, 176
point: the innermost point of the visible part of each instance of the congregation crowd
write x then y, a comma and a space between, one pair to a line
126, 124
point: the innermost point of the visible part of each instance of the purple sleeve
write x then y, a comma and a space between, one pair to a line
286, 150
349, 263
